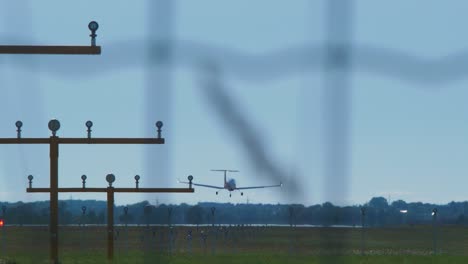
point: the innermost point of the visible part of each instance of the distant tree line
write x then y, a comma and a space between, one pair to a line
377, 212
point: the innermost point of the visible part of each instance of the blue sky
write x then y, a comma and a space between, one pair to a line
407, 118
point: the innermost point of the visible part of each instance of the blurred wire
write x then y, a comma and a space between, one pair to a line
238, 124
337, 90
297, 60
158, 93
158, 87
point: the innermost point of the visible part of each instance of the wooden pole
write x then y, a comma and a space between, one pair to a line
110, 223
54, 154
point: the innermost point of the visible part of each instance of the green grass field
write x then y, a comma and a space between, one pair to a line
239, 245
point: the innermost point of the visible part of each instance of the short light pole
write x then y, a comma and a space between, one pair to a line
147, 211
83, 215
82, 222
170, 231
291, 216
363, 226
189, 241
126, 216
291, 224
214, 232
4, 214
434, 225
213, 210
169, 216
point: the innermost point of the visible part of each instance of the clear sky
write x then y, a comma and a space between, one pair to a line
407, 129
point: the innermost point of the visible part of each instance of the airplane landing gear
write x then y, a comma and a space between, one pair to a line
229, 195
216, 193
242, 193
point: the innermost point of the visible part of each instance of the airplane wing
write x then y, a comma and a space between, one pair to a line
258, 187
204, 185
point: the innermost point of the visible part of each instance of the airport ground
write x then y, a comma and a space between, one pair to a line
206, 245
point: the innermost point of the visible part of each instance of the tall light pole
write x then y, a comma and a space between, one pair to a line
54, 141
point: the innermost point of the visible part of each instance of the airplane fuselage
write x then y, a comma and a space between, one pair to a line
230, 185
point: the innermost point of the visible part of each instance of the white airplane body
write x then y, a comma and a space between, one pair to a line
230, 184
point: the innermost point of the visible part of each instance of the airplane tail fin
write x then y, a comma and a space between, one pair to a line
225, 175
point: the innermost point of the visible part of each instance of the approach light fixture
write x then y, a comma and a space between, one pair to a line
30, 178
137, 179
18, 125
190, 178
89, 124
159, 125
54, 126
110, 178
93, 26
83, 178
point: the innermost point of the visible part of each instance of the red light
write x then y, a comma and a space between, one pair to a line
1, 222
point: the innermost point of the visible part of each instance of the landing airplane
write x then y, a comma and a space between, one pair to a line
230, 184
